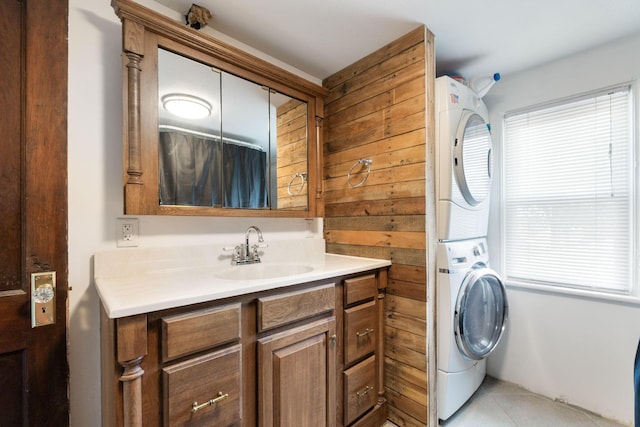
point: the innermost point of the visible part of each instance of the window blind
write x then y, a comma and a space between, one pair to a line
568, 193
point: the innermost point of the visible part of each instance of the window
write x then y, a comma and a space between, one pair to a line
568, 185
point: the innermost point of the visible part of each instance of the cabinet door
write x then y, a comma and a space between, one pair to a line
297, 377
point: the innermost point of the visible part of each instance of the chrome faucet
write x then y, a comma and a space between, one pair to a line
245, 254
255, 247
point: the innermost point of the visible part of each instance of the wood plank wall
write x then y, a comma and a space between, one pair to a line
291, 125
378, 109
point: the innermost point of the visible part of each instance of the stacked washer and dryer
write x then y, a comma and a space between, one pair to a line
471, 300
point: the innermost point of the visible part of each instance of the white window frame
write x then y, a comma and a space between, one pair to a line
634, 287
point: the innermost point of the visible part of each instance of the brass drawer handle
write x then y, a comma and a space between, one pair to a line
364, 392
221, 396
364, 333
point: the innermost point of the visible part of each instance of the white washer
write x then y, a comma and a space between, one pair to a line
472, 315
464, 161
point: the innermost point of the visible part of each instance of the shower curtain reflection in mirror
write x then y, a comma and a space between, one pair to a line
200, 171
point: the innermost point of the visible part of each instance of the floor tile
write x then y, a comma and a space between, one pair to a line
537, 411
502, 404
482, 411
603, 422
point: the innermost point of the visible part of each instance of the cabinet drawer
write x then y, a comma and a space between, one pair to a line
359, 331
360, 289
360, 392
188, 333
290, 307
214, 380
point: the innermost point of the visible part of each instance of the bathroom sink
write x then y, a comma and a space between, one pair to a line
262, 271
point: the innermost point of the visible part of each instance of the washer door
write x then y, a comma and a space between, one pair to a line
472, 158
481, 313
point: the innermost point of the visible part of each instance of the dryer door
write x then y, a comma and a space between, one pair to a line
481, 313
472, 158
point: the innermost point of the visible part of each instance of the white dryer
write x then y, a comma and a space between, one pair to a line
472, 315
463, 161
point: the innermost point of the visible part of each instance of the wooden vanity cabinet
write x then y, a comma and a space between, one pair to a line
287, 357
297, 376
186, 366
296, 366
203, 390
362, 355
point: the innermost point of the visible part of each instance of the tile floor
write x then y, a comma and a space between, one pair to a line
502, 404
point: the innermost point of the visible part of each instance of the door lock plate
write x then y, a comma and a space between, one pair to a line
43, 298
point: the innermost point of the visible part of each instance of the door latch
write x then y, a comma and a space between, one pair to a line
43, 298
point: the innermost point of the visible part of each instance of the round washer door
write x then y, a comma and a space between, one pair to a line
481, 313
472, 158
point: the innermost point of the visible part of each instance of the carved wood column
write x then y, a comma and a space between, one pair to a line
132, 347
132, 35
131, 379
134, 168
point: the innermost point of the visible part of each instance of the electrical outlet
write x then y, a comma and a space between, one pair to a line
127, 232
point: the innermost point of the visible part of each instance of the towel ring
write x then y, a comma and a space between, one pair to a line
301, 175
366, 164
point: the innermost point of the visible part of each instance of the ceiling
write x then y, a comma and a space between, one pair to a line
473, 37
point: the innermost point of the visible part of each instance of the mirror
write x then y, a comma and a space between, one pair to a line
212, 130
227, 142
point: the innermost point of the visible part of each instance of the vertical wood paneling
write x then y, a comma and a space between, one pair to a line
379, 108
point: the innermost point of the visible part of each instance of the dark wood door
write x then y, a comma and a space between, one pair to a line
34, 369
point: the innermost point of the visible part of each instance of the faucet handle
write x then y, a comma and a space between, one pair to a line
237, 252
231, 248
255, 255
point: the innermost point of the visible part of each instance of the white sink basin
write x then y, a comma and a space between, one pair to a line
262, 271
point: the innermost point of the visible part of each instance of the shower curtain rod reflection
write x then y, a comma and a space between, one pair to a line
211, 136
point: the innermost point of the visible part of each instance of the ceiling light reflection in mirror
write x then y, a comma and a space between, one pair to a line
182, 79
187, 106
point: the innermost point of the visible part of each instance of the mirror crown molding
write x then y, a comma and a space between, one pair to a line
187, 36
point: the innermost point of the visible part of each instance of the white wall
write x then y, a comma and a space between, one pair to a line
95, 191
571, 347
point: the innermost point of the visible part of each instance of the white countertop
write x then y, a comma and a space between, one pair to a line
141, 280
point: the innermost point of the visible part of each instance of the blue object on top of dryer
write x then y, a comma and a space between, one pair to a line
463, 162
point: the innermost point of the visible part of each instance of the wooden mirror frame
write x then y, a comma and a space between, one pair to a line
143, 31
